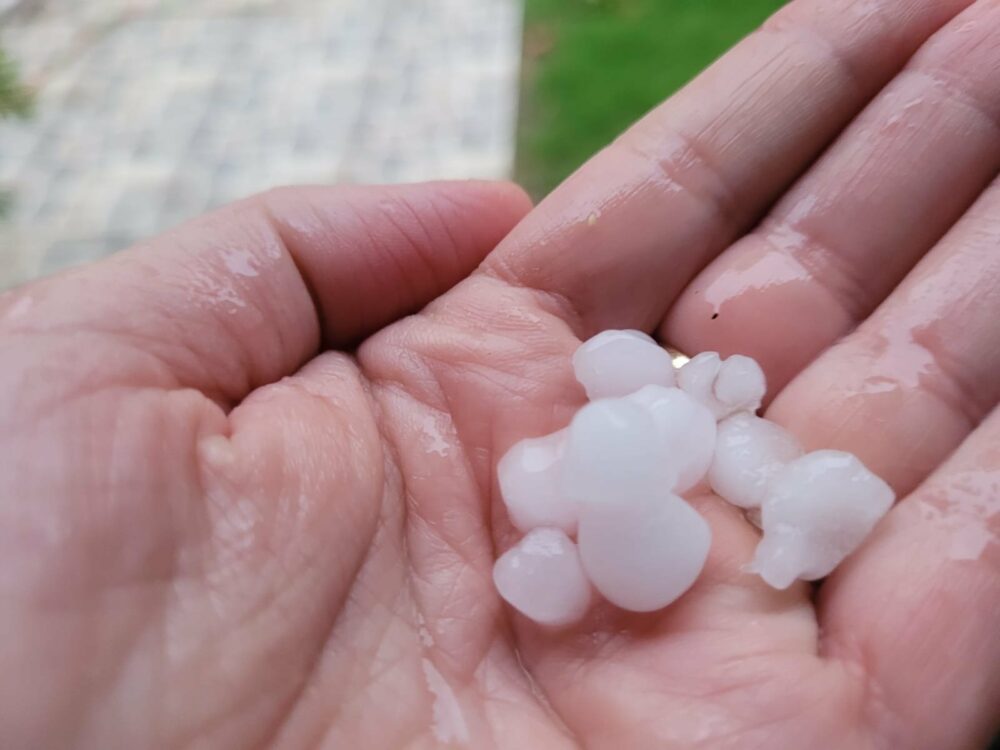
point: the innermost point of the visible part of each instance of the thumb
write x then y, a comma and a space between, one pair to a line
244, 295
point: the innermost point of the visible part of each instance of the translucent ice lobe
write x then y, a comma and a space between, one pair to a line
724, 386
782, 557
740, 384
818, 509
749, 451
616, 363
614, 451
686, 429
529, 475
643, 553
697, 379
541, 577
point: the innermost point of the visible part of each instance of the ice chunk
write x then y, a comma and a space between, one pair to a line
740, 384
541, 577
724, 386
643, 552
686, 428
749, 451
614, 451
697, 379
529, 475
616, 363
818, 509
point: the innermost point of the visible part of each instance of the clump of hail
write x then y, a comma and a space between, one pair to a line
601, 502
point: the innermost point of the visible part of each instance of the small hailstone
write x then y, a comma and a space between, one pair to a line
724, 386
614, 451
748, 453
616, 363
643, 552
541, 577
529, 475
686, 429
818, 509
740, 384
697, 378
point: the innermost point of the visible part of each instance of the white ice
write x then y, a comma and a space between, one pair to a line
686, 429
724, 386
818, 509
749, 452
529, 475
740, 384
643, 553
614, 451
617, 363
541, 577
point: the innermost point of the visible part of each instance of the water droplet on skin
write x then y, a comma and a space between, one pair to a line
434, 439
448, 722
206, 290
966, 511
426, 639
757, 275
801, 210
240, 262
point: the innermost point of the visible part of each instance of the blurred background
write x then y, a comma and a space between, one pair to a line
119, 118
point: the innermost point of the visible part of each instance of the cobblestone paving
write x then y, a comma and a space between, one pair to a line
150, 112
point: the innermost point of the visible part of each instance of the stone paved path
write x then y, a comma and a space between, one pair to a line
152, 111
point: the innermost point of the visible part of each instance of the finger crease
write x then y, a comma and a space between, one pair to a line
722, 199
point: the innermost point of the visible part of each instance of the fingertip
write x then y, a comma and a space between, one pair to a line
503, 201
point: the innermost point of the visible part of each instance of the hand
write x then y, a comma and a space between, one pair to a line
221, 528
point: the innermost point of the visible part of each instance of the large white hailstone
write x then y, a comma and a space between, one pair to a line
749, 452
643, 552
541, 577
686, 429
819, 508
613, 451
530, 483
724, 386
617, 363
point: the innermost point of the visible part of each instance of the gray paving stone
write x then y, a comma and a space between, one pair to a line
151, 112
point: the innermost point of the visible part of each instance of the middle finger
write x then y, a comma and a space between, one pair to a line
905, 388
852, 227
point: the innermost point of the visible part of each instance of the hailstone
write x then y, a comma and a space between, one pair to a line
817, 510
643, 552
541, 577
749, 451
530, 483
617, 363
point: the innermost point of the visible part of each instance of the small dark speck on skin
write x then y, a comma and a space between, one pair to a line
715, 315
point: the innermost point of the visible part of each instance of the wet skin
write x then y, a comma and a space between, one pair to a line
223, 525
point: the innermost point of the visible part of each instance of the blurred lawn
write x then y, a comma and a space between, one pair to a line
592, 67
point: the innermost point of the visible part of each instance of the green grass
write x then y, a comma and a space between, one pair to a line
15, 100
592, 67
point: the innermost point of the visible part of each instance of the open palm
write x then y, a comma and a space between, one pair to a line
219, 528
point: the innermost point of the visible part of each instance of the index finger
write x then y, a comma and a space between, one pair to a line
622, 237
